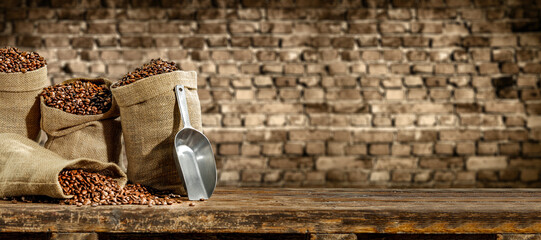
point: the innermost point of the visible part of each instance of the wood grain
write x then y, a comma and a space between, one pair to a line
251, 210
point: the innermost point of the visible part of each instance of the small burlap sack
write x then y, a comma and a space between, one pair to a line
150, 120
29, 169
19, 105
83, 136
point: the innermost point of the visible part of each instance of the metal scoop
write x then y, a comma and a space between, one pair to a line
193, 155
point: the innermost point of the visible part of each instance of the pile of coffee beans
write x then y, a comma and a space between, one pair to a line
96, 189
79, 97
14, 60
155, 67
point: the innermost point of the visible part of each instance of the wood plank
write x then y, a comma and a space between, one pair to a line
301, 211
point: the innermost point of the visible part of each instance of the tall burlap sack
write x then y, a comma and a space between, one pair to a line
150, 120
19, 105
83, 136
26, 168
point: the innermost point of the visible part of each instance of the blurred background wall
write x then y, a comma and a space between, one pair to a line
349, 93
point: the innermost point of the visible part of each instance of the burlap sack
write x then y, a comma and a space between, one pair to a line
29, 169
83, 136
19, 105
150, 120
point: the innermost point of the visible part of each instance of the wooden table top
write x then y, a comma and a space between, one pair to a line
287, 210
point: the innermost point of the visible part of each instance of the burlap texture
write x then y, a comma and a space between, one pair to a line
29, 169
150, 120
83, 136
19, 105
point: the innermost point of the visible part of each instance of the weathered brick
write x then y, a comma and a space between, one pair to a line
242, 27
304, 135
504, 107
244, 163
377, 69
392, 55
479, 163
509, 174
388, 27
381, 121
530, 40
395, 163
392, 94
400, 149
244, 94
343, 42
315, 148
426, 27
444, 148
445, 68
220, 55
166, 42
242, 55
265, 41
534, 122
416, 41
82, 42
529, 175
417, 136
361, 13
380, 176
373, 136
487, 175
489, 68
272, 149
227, 69
399, 14
460, 135
266, 136
224, 136
193, 42
412, 108
423, 68
349, 163
145, 13
294, 148
229, 149
487, 148
249, 14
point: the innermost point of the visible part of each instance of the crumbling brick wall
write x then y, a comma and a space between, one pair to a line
360, 93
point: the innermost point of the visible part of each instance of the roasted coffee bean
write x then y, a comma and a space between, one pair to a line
79, 97
96, 189
155, 67
14, 60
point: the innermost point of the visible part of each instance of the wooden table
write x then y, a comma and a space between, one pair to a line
314, 213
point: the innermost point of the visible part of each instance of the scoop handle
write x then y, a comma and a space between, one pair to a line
183, 105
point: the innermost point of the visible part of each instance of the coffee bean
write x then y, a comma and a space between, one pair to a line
79, 97
154, 67
14, 60
96, 189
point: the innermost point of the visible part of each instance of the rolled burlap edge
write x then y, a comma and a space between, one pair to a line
24, 82
160, 83
56, 122
26, 168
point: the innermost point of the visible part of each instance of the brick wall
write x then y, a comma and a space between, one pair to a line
363, 93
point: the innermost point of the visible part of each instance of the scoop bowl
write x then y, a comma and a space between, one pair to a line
194, 157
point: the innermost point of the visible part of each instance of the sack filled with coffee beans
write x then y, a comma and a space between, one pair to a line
79, 117
22, 76
150, 120
29, 169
